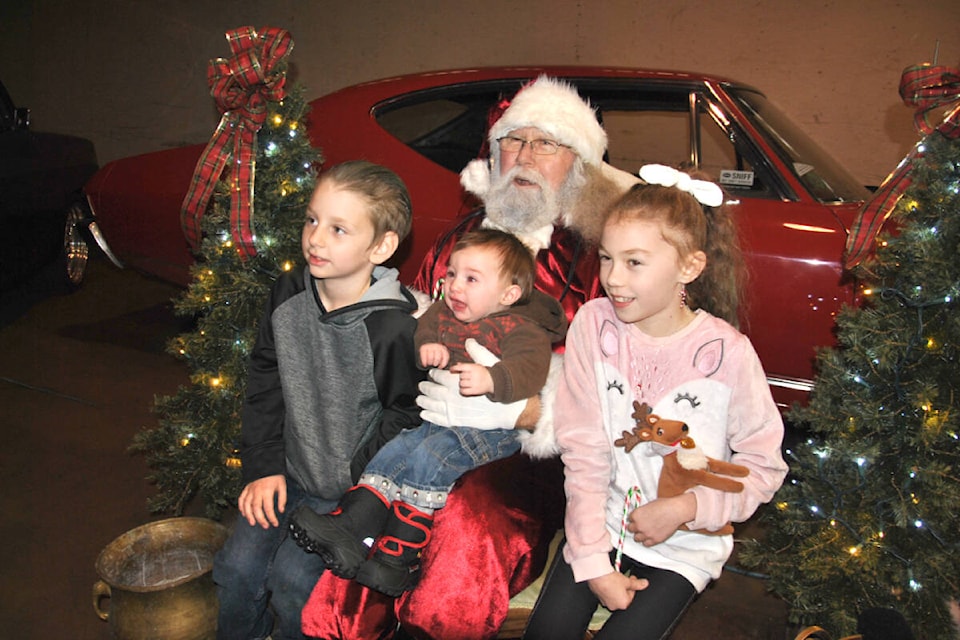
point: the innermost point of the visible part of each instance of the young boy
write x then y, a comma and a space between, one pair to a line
488, 296
332, 377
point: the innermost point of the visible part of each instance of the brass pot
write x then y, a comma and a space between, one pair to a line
158, 580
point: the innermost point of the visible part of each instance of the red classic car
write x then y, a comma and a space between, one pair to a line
793, 203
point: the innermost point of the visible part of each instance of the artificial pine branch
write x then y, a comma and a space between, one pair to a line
870, 514
193, 450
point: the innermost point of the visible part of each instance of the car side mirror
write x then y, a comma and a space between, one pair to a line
21, 118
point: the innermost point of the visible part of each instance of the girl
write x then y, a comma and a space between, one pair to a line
665, 336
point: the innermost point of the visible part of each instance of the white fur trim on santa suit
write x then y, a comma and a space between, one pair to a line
423, 300
475, 177
534, 239
541, 442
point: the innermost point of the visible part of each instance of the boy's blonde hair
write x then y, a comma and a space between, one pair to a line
516, 262
381, 188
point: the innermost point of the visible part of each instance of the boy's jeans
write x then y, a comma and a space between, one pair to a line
261, 572
423, 463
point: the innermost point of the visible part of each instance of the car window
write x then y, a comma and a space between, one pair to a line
826, 180
636, 138
417, 120
646, 122
448, 126
728, 157
651, 124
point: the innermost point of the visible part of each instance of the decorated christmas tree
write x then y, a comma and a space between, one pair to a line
870, 514
242, 248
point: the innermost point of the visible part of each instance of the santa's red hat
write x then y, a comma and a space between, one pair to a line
555, 108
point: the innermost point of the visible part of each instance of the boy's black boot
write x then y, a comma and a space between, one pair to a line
394, 566
338, 536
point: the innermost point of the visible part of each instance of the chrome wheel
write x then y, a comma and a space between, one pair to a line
76, 250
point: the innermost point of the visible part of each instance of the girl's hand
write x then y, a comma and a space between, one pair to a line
475, 379
257, 498
656, 521
615, 590
434, 354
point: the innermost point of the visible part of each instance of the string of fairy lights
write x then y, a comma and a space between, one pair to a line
220, 254
844, 466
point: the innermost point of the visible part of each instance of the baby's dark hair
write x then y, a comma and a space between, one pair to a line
384, 191
690, 227
516, 260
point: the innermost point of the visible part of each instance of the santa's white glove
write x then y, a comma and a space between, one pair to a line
442, 403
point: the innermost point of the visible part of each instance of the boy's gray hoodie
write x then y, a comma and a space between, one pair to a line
326, 390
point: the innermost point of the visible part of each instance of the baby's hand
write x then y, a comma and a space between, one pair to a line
475, 380
434, 354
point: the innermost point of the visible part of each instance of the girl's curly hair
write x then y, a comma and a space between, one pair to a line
690, 227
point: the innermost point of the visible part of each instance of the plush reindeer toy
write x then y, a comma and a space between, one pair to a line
684, 464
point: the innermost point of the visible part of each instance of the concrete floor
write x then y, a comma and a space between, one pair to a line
78, 375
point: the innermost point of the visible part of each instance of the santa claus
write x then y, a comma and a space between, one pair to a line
546, 181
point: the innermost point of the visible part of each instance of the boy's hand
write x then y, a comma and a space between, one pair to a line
615, 590
434, 354
475, 380
257, 500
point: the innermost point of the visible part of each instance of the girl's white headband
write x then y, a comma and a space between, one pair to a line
705, 192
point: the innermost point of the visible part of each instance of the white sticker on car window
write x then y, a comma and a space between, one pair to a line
736, 178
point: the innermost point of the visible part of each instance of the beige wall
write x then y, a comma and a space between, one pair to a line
131, 75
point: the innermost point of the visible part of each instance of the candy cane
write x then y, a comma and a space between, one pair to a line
630, 502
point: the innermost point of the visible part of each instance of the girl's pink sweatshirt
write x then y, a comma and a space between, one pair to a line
707, 375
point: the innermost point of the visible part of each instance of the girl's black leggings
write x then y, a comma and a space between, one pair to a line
565, 607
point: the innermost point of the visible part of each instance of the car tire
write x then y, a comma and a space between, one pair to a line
76, 248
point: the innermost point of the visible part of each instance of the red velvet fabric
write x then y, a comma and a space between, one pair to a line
340, 608
489, 543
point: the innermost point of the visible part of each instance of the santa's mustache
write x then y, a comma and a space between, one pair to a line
513, 207
520, 173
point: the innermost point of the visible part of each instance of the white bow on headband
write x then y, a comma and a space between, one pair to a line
705, 192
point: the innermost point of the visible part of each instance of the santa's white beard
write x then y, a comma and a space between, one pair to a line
520, 209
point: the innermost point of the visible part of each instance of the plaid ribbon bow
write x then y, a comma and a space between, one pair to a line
241, 85
932, 90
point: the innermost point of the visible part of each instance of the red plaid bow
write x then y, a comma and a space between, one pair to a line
241, 85
930, 89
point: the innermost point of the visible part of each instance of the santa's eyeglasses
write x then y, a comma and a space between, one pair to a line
540, 146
